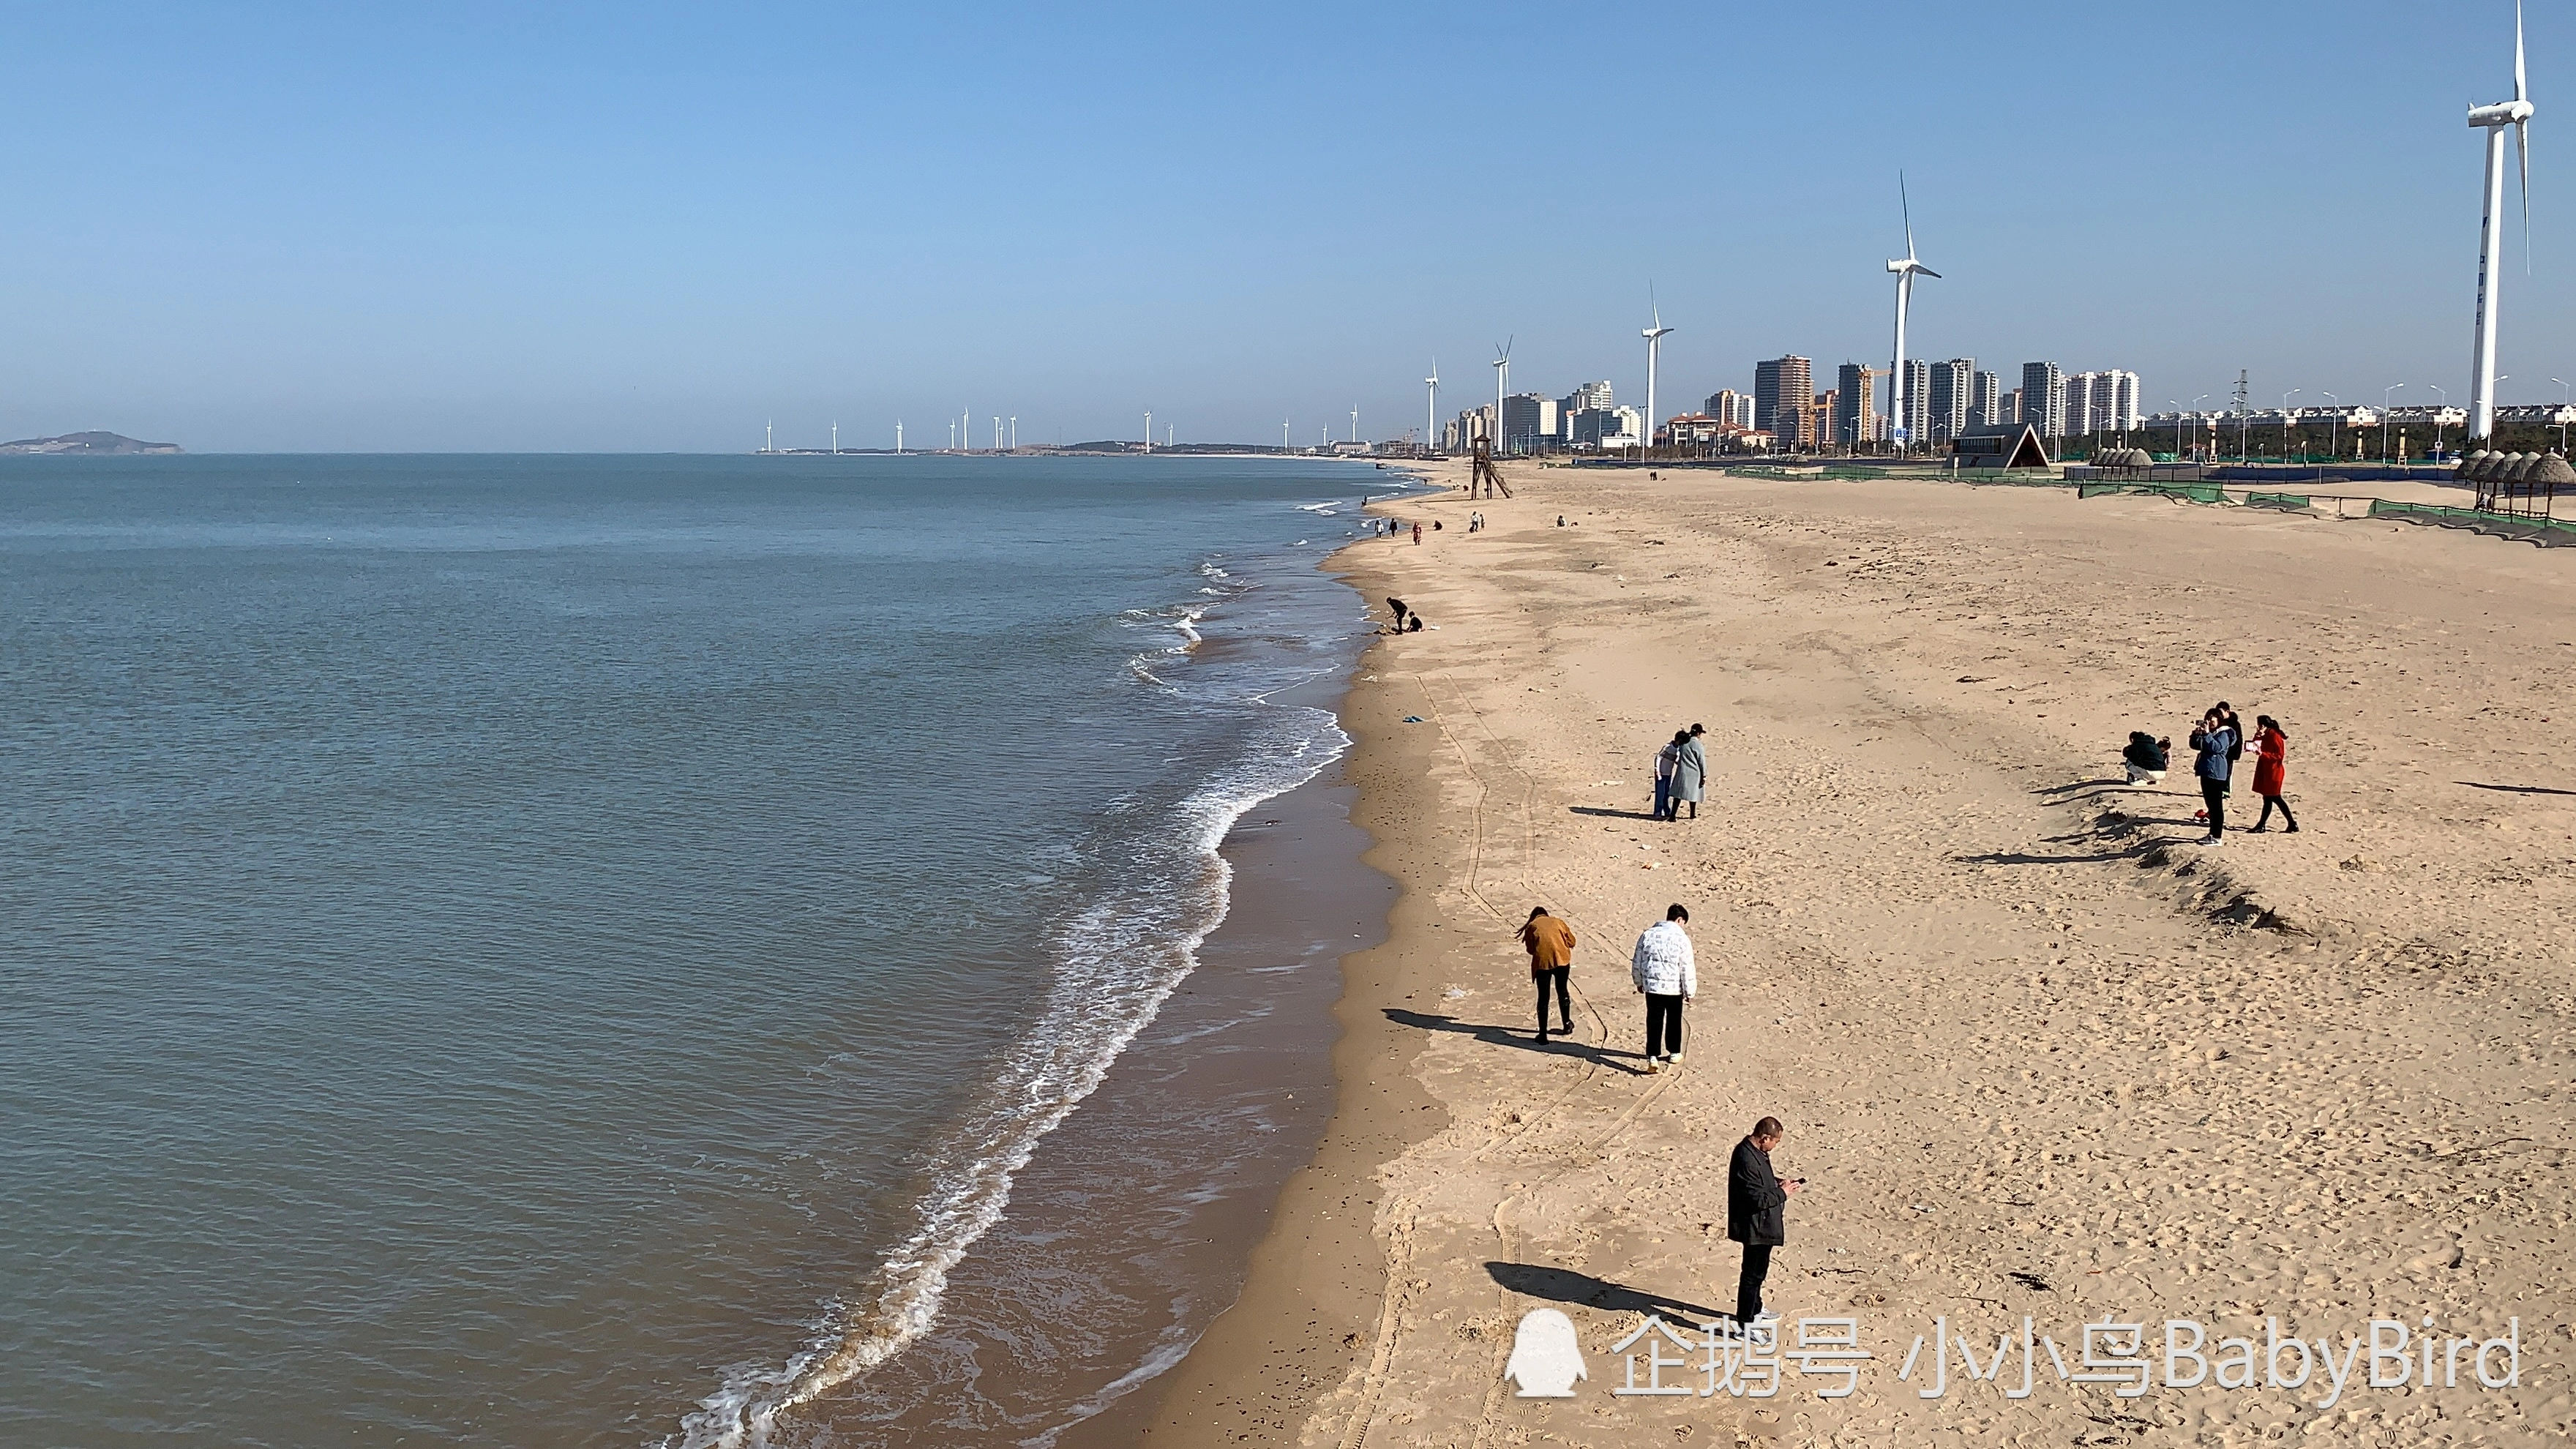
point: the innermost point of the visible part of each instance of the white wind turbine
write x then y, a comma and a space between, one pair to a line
1502, 379
1431, 409
1654, 354
1906, 271
2492, 120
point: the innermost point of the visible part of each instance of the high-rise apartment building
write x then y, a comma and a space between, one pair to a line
1780, 392
1945, 402
2043, 398
1818, 426
2079, 405
1985, 400
1913, 395
1586, 396
1856, 404
2115, 401
1732, 409
1529, 423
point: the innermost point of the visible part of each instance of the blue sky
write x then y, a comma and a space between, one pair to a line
510, 227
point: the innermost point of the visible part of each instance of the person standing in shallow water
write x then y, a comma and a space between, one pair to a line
1666, 973
2271, 764
1550, 943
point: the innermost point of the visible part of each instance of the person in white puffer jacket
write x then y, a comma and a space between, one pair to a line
1667, 975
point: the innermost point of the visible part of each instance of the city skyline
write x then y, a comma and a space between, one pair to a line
496, 231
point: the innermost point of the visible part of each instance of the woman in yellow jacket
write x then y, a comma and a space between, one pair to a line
1551, 952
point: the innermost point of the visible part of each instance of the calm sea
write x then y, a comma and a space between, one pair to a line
573, 950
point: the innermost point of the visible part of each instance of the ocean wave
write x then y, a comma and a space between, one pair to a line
1115, 962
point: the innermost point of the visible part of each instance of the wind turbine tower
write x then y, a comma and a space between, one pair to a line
1431, 409
2493, 120
1502, 379
1654, 354
1906, 271
1355, 422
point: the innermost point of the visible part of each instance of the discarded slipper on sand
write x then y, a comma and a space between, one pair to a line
1413, 719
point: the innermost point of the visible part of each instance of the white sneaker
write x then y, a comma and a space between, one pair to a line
2209, 840
1765, 1316
1653, 1065
1675, 1059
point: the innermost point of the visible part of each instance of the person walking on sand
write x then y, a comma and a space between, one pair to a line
2218, 747
1550, 943
1417, 533
1756, 1216
2271, 761
1667, 975
1667, 760
1690, 772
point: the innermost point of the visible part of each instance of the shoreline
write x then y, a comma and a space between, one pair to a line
2051, 1059
1319, 1268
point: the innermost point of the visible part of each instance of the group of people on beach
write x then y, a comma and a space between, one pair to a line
1665, 971
2218, 743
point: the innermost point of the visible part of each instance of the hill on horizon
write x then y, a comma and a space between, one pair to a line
95, 444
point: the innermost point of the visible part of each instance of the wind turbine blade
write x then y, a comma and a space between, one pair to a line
1906, 203
2522, 153
1925, 272
2517, 52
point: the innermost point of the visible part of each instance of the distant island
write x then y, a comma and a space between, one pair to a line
88, 444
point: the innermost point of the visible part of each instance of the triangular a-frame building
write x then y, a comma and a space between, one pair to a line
1998, 446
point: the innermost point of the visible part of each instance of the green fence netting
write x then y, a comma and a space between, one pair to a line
2547, 532
2184, 492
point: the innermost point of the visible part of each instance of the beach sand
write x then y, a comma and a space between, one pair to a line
2038, 1054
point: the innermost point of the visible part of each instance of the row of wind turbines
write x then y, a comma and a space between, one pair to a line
2494, 119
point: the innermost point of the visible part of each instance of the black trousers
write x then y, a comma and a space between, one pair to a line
2286, 817
1564, 997
1663, 1025
2213, 793
1748, 1288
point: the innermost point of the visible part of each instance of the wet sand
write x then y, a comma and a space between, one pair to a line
2040, 1055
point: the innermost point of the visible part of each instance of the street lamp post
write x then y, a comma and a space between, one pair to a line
2334, 416
2181, 453
2437, 418
2386, 406
2562, 412
2285, 425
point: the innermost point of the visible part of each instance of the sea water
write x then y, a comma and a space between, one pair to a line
574, 950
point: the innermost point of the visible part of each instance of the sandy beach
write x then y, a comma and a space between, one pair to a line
2040, 1056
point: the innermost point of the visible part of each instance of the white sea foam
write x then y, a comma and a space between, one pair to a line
1107, 988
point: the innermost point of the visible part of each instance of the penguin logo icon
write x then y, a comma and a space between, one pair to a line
1545, 1358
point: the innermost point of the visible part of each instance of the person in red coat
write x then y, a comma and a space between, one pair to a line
2272, 754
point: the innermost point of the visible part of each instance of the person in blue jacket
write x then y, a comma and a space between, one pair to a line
2218, 744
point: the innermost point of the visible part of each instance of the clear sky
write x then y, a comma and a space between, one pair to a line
542, 227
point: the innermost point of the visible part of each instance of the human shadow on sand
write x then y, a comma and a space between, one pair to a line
2121, 782
1519, 1037
1564, 1285
1608, 813
2516, 789
2022, 857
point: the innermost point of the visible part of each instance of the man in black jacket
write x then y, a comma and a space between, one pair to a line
1755, 1197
